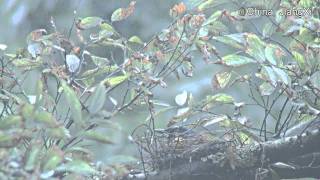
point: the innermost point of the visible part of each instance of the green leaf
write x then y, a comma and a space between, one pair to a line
27, 63
33, 157
8, 140
220, 98
53, 158
315, 79
46, 119
113, 81
27, 111
73, 103
11, 121
58, 132
99, 61
282, 75
91, 73
107, 27
268, 74
117, 15
308, 3
39, 91
206, 4
213, 18
233, 40
235, 60
104, 34
96, 136
217, 27
255, 47
97, 99
268, 30
214, 120
299, 58
106, 31
280, 16
135, 39
266, 89
89, 22
305, 35
78, 167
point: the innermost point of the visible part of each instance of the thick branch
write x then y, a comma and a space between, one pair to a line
242, 162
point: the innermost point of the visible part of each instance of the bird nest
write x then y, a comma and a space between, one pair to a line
159, 145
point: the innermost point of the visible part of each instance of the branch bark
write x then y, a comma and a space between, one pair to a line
224, 161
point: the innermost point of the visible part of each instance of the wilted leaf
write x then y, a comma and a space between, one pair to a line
73, 102
221, 80
235, 60
255, 47
181, 98
78, 167
97, 136
123, 13
271, 54
97, 99
36, 35
89, 22
177, 9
